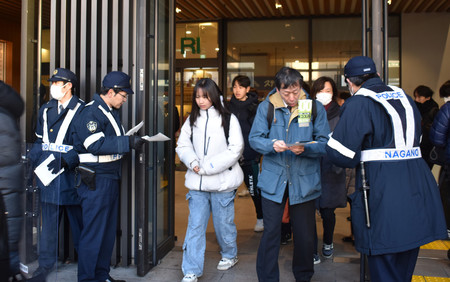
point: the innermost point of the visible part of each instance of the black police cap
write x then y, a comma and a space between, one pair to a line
61, 74
118, 79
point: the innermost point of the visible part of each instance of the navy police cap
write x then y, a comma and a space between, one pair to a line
358, 66
118, 79
61, 74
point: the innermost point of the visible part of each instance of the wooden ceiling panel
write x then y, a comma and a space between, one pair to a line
235, 9
194, 10
247, 9
286, 8
221, 7
436, 5
255, 8
186, 12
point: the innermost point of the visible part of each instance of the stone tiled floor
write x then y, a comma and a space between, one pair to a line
343, 267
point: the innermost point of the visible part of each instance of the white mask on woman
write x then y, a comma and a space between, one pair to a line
324, 98
56, 91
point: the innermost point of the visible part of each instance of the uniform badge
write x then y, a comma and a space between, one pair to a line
55, 71
92, 126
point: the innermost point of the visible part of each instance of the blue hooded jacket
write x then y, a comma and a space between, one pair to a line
301, 172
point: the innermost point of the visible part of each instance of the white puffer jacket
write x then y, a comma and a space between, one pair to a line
218, 162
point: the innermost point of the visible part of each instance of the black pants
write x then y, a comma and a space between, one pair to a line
328, 223
251, 171
444, 189
393, 267
303, 226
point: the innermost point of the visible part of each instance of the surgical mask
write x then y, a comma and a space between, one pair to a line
324, 98
446, 99
56, 91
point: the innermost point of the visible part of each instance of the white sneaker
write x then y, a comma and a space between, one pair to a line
190, 278
244, 193
226, 263
259, 226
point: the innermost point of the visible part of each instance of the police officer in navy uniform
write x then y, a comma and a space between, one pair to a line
54, 137
404, 210
101, 142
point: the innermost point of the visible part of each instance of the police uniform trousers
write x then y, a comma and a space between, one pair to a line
99, 208
302, 218
396, 267
51, 217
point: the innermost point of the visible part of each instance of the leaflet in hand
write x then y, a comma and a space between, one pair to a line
156, 138
135, 129
296, 144
44, 174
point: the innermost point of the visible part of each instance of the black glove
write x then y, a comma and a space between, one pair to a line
136, 142
57, 164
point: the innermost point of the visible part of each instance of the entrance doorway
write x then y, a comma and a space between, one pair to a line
185, 80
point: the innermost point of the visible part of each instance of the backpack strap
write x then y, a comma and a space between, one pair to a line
270, 115
226, 127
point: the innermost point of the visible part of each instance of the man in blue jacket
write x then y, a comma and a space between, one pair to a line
292, 145
101, 141
379, 134
54, 139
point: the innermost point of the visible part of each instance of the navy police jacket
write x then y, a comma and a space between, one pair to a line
55, 136
380, 125
100, 138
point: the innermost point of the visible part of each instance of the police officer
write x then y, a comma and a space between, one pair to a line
404, 210
54, 137
101, 142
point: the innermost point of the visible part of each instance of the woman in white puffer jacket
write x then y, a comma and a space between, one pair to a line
212, 177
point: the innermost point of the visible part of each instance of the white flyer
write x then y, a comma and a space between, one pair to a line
135, 129
156, 138
44, 174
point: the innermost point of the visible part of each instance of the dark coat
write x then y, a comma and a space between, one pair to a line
61, 191
92, 120
11, 168
334, 191
440, 131
245, 111
404, 202
428, 111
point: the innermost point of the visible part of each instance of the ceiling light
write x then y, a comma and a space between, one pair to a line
188, 32
178, 10
278, 5
389, 2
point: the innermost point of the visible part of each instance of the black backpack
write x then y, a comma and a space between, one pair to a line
270, 111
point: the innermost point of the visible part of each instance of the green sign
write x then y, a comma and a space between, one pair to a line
190, 42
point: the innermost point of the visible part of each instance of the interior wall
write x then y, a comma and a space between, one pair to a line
12, 34
425, 51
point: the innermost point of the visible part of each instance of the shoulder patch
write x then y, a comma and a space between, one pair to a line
91, 126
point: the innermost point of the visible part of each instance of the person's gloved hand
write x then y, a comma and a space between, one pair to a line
57, 164
136, 142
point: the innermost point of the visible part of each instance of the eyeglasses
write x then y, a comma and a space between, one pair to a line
124, 96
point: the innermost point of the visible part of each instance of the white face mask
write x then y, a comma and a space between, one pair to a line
324, 98
446, 99
56, 91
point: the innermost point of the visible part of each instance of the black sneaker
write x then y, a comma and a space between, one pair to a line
110, 279
39, 275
